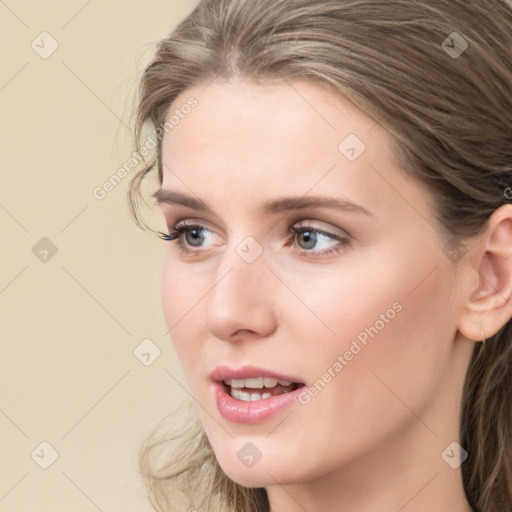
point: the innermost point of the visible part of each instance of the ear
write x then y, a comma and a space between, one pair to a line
488, 306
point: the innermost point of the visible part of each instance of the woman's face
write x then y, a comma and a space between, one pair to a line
357, 308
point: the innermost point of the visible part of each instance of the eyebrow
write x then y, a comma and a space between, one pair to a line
270, 207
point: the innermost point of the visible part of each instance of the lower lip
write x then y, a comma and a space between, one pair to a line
238, 411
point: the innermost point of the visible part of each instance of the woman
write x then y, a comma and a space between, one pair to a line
335, 176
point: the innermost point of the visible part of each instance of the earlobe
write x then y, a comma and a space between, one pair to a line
488, 306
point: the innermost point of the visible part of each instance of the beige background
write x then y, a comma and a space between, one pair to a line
69, 325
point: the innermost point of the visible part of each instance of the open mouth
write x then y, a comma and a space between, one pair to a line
258, 388
253, 395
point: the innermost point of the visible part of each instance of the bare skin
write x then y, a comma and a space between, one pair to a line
372, 438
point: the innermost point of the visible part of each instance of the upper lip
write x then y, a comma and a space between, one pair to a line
221, 373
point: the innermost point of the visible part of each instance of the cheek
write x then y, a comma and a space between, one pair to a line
333, 308
386, 327
403, 299
391, 345
182, 294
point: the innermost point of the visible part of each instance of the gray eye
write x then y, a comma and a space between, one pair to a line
308, 237
194, 237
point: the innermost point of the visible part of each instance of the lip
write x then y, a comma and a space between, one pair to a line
238, 411
221, 373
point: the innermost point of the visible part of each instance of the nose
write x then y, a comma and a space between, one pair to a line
241, 305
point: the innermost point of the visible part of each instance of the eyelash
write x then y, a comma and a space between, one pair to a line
177, 232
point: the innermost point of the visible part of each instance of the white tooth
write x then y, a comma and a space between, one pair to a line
245, 397
235, 393
227, 381
284, 382
266, 395
237, 383
270, 382
255, 397
240, 395
256, 382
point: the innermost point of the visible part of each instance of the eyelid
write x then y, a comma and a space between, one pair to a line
171, 213
331, 231
318, 226
305, 229
187, 222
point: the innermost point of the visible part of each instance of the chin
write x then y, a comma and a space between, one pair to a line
248, 478
264, 472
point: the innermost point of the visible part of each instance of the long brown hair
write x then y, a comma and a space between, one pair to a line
438, 76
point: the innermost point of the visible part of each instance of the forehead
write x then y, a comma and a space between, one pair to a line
280, 115
260, 140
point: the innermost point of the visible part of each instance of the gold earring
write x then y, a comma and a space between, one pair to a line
483, 337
